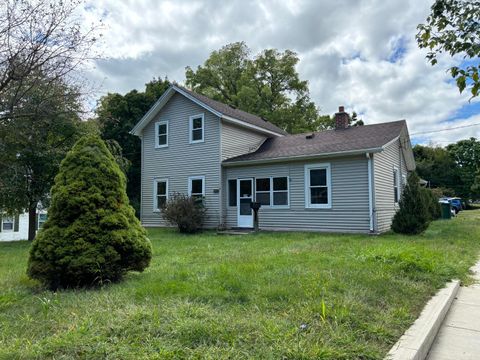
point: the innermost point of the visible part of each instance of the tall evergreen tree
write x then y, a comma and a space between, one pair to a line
92, 235
413, 216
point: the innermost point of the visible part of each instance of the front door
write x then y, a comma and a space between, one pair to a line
244, 198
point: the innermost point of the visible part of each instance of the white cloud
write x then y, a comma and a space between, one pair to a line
344, 48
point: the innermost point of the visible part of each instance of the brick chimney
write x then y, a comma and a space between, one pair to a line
342, 119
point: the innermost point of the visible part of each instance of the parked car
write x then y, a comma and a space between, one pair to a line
455, 202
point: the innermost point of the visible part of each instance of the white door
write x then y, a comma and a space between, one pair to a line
244, 198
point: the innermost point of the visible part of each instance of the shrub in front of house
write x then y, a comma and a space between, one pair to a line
185, 212
433, 206
413, 216
92, 235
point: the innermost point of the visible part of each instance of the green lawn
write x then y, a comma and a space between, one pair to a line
215, 297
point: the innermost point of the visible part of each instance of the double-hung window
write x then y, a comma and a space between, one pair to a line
272, 191
318, 188
7, 224
262, 191
196, 187
396, 187
161, 134
41, 220
160, 193
197, 128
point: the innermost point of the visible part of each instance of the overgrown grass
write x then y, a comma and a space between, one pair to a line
265, 296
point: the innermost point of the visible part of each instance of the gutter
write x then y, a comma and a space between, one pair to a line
370, 191
227, 163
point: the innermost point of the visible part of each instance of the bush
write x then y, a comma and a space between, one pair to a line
433, 206
185, 212
92, 235
413, 216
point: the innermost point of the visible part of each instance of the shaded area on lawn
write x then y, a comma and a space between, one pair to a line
210, 296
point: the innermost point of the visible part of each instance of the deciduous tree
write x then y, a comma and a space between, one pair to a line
453, 27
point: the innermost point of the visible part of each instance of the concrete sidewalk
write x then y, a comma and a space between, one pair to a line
459, 335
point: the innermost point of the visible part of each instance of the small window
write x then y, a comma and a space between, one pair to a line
196, 187
160, 193
280, 191
262, 193
41, 220
317, 186
7, 224
196, 128
396, 188
404, 180
161, 134
232, 192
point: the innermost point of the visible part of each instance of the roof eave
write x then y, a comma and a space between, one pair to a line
137, 129
301, 157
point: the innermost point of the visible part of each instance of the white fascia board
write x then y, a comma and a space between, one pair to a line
302, 157
137, 129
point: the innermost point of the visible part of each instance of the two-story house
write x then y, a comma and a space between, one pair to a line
348, 179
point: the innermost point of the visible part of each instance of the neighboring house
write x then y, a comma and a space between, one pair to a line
348, 179
16, 227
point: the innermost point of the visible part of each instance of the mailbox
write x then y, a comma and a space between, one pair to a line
255, 206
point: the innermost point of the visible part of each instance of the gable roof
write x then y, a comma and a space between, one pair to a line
221, 110
353, 140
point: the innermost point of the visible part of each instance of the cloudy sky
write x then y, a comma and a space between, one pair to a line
357, 53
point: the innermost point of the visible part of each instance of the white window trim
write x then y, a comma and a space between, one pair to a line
190, 128
202, 177
13, 224
308, 204
271, 191
157, 124
404, 180
395, 169
155, 198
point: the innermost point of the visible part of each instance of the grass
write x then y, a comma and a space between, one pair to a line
265, 296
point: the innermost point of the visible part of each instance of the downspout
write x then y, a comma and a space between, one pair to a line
370, 191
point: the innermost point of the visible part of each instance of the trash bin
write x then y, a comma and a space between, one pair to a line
446, 210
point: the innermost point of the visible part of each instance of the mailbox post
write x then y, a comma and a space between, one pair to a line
255, 206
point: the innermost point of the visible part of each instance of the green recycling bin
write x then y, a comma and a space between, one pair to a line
446, 210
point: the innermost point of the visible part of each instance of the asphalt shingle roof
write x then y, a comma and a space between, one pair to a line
235, 113
325, 142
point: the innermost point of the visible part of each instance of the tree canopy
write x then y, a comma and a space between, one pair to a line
33, 142
454, 168
267, 85
453, 27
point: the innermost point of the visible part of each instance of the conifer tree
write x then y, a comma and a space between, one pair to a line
92, 235
413, 216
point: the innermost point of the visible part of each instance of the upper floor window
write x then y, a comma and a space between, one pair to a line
197, 128
318, 188
161, 134
396, 188
7, 224
160, 193
196, 187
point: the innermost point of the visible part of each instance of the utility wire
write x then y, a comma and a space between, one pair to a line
446, 129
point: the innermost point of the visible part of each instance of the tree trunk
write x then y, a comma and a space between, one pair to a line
32, 222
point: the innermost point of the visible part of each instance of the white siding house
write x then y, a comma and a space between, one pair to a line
14, 228
347, 179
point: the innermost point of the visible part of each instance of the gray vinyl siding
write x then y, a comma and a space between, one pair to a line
384, 163
349, 212
180, 159
238, 141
